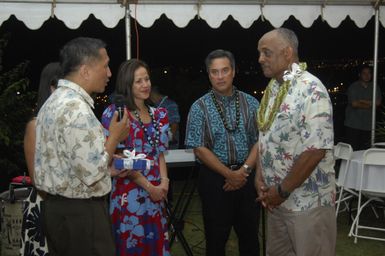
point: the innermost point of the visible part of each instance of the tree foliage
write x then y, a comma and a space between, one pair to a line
16, 104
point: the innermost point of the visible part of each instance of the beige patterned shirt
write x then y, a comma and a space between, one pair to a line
70, 158
303, 122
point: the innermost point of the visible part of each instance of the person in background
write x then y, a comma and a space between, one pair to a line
163, 101
33, 240
221, 128
72, 156
173, 114
137, 205
358, 114
295, 172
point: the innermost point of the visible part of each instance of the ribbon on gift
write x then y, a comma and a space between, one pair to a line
131, 154
133, 161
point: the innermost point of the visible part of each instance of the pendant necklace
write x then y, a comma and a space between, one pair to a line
152, 139
222, 115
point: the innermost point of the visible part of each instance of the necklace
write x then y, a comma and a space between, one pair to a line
222, 115
153, 139
264, 120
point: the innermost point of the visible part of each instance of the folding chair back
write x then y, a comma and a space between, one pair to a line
372, 157
343, 151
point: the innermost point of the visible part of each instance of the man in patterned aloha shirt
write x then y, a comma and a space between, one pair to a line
72, 155
295, 175
221, 127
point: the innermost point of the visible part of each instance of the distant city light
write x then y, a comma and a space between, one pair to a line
165, 72
334, 89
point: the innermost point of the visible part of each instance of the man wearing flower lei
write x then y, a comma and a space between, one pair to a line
221, 128
295, 177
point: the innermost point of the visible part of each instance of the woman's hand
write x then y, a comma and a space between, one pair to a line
156, 192
164, 184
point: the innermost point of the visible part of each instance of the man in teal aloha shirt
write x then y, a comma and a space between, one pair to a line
295, 178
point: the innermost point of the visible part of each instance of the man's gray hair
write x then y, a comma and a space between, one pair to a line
289, 37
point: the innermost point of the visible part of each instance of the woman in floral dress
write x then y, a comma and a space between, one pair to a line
137, 201
33, 241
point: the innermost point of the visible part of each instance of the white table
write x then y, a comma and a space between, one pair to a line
374, 176
179, 157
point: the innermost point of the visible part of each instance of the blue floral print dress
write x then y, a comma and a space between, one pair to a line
139, 224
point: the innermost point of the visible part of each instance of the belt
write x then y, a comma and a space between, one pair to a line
63, 198
234, 166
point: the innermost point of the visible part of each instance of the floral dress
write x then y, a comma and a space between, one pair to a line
139, 224
33, 241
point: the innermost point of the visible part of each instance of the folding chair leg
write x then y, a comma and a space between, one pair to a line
375, 212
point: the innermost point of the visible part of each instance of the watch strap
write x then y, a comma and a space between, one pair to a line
282, 193
248, 169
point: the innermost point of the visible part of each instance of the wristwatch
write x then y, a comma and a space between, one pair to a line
248, 169
282, 193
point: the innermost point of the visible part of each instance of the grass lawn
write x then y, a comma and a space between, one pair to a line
193, 231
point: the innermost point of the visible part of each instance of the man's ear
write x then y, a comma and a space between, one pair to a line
289, 53
84, 71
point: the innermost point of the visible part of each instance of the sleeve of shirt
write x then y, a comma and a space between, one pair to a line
106, 119
164, 127
252, 129
84, 140
353, 95
195, 127
173, 113
316, 124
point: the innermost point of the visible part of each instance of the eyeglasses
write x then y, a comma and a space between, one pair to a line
221, 72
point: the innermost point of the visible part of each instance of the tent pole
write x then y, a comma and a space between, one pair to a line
128, 31
375, 58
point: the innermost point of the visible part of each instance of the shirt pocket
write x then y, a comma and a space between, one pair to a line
283, 127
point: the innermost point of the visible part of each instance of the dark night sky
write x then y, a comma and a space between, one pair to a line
164, 44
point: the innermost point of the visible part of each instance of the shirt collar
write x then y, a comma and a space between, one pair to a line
78, 89
225, 98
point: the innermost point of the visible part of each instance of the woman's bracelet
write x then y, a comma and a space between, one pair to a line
165, 178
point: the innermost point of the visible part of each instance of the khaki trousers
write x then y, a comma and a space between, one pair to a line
306, 233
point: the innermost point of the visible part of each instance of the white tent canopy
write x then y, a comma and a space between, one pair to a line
73, 12
34, 12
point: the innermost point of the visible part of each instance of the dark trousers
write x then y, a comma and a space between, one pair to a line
358, 139
224, 210
77, 227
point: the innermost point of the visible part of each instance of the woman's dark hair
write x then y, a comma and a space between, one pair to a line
125, 81
49, 77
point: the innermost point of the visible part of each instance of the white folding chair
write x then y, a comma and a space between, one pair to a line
372, 157
343, 151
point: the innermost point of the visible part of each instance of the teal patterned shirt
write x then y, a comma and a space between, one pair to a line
205, 127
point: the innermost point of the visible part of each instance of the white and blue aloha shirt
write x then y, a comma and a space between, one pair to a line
70, 158
303, 122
